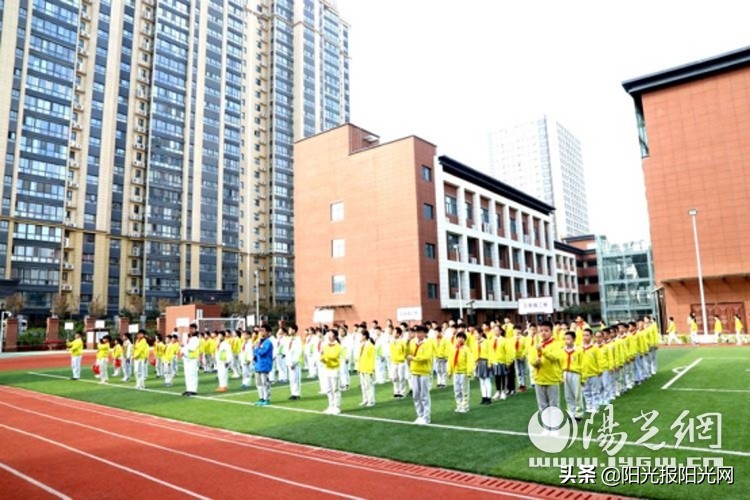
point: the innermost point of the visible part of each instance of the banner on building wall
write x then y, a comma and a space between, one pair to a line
409, 314
536, 305
323, 316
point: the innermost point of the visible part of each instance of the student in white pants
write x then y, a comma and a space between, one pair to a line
331, 359
140, 359
75, 347
224, 359
346, 346
420, 355
294, 358
366, 369
246, 359
102, 359
398, 363
127, 358
191, 359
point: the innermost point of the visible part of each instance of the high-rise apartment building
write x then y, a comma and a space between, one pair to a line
543, 158
147, 145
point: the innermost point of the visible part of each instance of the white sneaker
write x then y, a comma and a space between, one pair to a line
371, 403
335, 411
327, 411
503, 396
363, 403
420, 421
496, 396
458, 410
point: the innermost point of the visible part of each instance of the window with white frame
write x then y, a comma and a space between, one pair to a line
338, 284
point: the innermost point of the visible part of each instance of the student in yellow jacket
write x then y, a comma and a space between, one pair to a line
75, 347
102, 358
571, 370
117, 357
330, 357
485, 355
546, 363
202, 342
140, 359
738, 328
590, 371
398, 363
498, 363
170, 351
419, 356
443, 347
366, 369
159, 348
604, 365
521, 345
461, 367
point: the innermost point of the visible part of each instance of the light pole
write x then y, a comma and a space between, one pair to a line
257, 298
458, 275
693, 213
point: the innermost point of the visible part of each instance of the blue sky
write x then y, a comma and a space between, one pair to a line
451, 71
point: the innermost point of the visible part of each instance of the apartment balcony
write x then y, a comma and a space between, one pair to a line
66, 288
68, 266
73, 184
137, 180
67, 243
135, 271
70, 204
136, 199
136, 217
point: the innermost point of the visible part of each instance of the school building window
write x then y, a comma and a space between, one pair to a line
337, 211
451, 205
426, 173
338, 284
338, 248
432, 290
428, 211
430, 250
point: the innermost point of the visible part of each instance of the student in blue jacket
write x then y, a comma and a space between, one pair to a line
263, 364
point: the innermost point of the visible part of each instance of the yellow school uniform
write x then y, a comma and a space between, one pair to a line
671, 327
738, 325
117, 352
75, 347
159, 349
237, 345
549, 372
398, 351
331, 355
632, 346
520, 346
590, 362
718, 326
211, 347
366, 361
444, 348
461, 361
571, 359
170, 352
604, 358
102, 350
140, 350
202, 345
421, 363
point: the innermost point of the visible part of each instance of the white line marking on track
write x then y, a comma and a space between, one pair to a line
182, 453
681, 373
271, 450
99, 459
405, 422
695, 389
38, 484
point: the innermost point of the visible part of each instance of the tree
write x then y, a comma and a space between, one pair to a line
162, 305
136, 306
15, 303
60, 306
97, 309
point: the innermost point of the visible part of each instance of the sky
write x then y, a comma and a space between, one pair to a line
452, 71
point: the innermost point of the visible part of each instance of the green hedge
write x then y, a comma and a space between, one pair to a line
32, 336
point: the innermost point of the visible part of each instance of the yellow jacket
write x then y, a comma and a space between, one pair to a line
102, 350
237, 345
444, 348
671, 327
718, 326
571, 359
140, 350
398, 351
590, 362
366, 361
421, 364
75, 347
211, 346
738, 326
643, 341
603, 359
202, 345
331, 355
461, 361
170, 352
117, 352
549, 371
159, 348
520, 345
632, 345
621, 348
485, 351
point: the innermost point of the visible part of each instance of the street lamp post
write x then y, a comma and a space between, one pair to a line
693, 213
257, 298
458, 275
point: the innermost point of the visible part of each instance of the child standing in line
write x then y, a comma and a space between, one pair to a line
461, 367
484, 372
159, 348
590, 372
117, 357
140, 359
246, 359
127, 357
75, 347
398, 363
331, 359
571, 364
224, 360
171, 349
102, 359
366, 369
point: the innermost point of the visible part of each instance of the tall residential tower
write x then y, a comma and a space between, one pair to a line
147, 144
543, 158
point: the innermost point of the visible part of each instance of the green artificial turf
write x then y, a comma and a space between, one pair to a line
478, 451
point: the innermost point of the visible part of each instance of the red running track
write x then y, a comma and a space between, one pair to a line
81, 449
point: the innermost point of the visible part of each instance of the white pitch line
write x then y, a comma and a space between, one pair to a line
680, 374
182, 453
406, 422
38, 484
692, 389
99, 459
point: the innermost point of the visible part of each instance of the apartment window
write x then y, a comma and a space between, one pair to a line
451, 205
337, 211
426, 173
469, 210
432, 290
428, 211
338, 248
338, 284
430, 250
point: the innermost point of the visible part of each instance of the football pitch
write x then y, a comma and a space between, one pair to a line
692, 412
